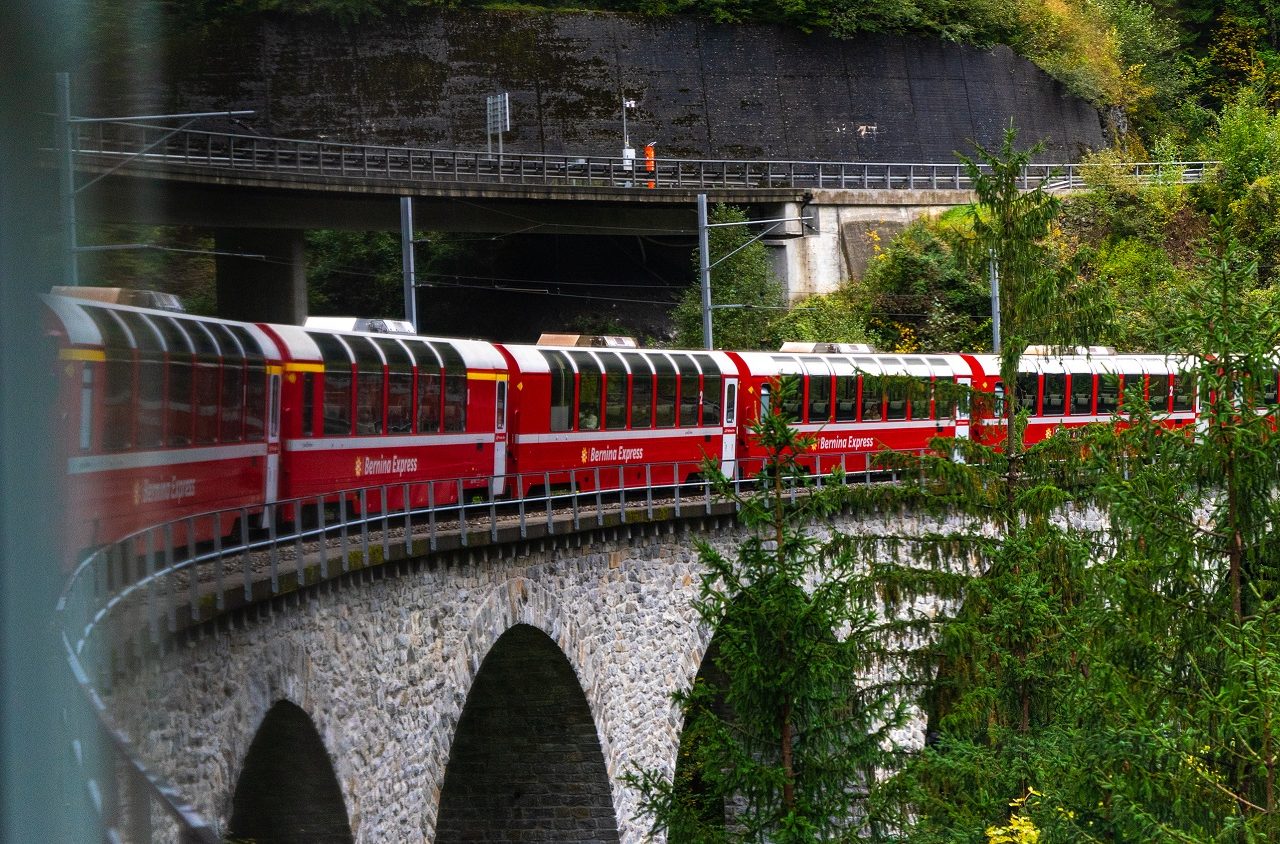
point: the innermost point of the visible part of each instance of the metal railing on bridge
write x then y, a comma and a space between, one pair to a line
125, 601
147, 146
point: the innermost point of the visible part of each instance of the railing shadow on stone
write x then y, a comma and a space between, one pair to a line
125, 603
147, 146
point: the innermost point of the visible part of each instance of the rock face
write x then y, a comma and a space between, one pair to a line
701, 90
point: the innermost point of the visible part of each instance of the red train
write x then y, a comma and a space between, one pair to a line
167, 415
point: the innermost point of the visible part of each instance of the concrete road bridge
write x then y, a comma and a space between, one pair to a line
260, 194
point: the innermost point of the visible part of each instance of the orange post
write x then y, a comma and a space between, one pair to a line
648, 163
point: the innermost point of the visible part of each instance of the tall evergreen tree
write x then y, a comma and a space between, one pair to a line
782, 736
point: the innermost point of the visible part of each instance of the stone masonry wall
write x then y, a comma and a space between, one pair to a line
384, 666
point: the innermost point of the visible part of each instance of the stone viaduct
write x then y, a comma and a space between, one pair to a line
494, 694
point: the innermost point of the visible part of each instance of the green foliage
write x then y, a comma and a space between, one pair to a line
173, 259
742, 278
833, 318
354, 274
790, 727
922, 297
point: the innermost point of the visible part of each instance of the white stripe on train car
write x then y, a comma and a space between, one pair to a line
619, 434
402, 441
172, 457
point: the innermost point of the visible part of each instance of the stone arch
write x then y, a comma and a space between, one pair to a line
526, 763
287, 790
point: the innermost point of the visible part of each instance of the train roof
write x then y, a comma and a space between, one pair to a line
532, 359
300, 344
88, 322
786, 363
1106, 364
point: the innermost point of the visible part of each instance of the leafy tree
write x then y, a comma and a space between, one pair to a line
743, 279
834, 317
786, 732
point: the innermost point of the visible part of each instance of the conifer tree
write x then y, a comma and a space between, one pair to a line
783, 735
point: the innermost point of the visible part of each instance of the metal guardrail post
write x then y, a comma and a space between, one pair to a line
364, 527
431, 515
245, 569
324, 538
342, 518
462, 516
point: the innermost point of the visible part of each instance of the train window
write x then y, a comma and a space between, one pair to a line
667, 393
690, 390
1269, 395
399, 402
590, 393
1054, 401
820, 398
178, 401
231, 429
711, 410
150, 400
765, 400
117, 400
846, 401
1108, 394
711, 399
1158, 393
730, 403
308, 404
430, 397
561, 389
255, 400
920, 390
369, 401
641, 396
872, 399
895, 399
615, 390
1081, 394
791, 403
205, 391
1184, 391
1028, 385
455, 388
500, 407
337, 400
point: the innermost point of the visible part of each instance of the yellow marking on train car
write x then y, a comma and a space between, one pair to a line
304, 367
82, 354
486, 376
274, 370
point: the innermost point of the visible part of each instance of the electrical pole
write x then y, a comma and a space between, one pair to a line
994, 271
407, 260
67, 182
704, 270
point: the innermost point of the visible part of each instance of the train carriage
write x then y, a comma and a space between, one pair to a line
1071, 390
592, 418
853, 405
364, 410
165, 416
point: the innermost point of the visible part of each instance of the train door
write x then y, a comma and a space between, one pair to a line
499, 438
729, 429
272, 485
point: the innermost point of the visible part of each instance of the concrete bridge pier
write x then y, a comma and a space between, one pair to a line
848, 229
261, 275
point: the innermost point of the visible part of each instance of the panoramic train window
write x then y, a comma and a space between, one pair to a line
399, 385
1184, 391
455, 388
872, 400
1055, 394
430, 388
177, 405
895, 399
149, 419
368, 385
231, 421
615, 390
667, 393
1028, 385
561, 389
1081, 394
690, 390
1108, 393
819, 398
846, 398
117, 386
590, 393
641, 393
711, 410
255, 386
920, 389
1158, 393
335, 404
